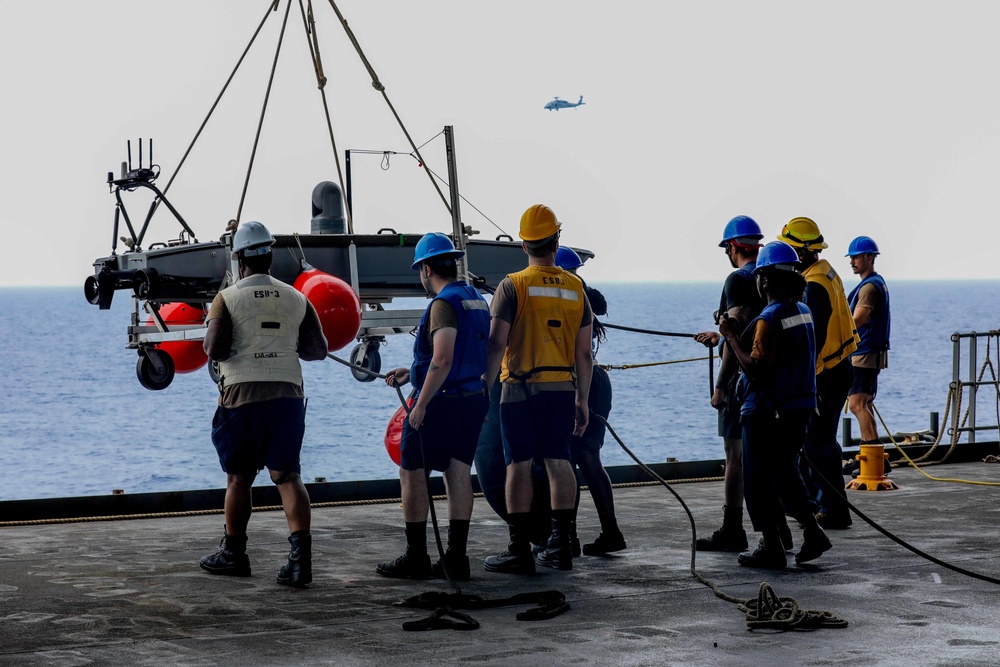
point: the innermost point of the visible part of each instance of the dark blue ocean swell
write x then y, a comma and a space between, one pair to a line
75, 421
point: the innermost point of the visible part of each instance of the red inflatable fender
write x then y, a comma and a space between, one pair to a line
336, 303
394, 431
187, 355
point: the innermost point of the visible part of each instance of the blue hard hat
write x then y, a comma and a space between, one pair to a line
742, 226
863, 245
434, 244
779, 255
566, 258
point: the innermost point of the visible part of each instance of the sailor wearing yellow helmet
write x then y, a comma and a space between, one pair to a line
836, 339
541, 329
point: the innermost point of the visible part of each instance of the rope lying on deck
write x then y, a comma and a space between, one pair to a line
768, 610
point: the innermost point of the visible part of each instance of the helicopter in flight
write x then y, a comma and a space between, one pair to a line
556, 104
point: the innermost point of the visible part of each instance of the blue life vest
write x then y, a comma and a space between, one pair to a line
874, 335
469, 359
793, 381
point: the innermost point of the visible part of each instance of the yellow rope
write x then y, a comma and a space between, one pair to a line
913, 464
623, 367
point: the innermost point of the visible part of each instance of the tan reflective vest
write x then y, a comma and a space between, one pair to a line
841, 336
266, 315
542, 342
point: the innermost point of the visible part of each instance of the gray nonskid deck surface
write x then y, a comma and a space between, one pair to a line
131, 592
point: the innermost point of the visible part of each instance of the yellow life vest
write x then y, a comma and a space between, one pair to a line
542, 342
841, 336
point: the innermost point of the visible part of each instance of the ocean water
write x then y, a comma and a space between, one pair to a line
75, 421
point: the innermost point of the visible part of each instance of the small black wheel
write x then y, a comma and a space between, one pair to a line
367, 356
155, 369
213, 371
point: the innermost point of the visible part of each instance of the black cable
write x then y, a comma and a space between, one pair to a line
649, 331
768, 610
903, 543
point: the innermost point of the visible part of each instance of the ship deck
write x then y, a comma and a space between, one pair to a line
131, 592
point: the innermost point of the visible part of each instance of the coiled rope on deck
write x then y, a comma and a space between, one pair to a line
767, 610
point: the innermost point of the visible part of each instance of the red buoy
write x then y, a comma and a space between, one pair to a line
336, 303
187, 355
394, 431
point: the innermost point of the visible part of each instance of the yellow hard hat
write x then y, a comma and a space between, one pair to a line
538, 222
802, 233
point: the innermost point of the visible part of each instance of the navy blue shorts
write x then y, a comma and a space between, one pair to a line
260, 435
865, 381
600, 404
450, 431
729, 414
540, 427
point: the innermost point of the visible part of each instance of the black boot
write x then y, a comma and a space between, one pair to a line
731, 537
607, 542
574, 543
558, 553
414, 563
516, 559
455, 559
231, 560
407, 566
814, 541
769, 554
298, 570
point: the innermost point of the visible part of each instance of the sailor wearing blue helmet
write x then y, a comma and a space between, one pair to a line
778, 382
442, 430
740, 301
869, 303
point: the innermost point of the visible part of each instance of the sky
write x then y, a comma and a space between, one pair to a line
874, 118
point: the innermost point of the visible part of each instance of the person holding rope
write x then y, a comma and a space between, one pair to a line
836, 340
586, 449
741, 302
778, 383
258, 329
869, 303
541, 331
442, 430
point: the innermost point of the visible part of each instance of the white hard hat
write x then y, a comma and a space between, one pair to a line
252, 238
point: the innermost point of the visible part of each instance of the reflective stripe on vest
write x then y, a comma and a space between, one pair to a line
793, 381
542, 342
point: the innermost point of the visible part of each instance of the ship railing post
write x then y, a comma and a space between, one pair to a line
973, 385
845, 433
956, 384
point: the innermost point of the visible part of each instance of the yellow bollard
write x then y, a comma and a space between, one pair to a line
872, 475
